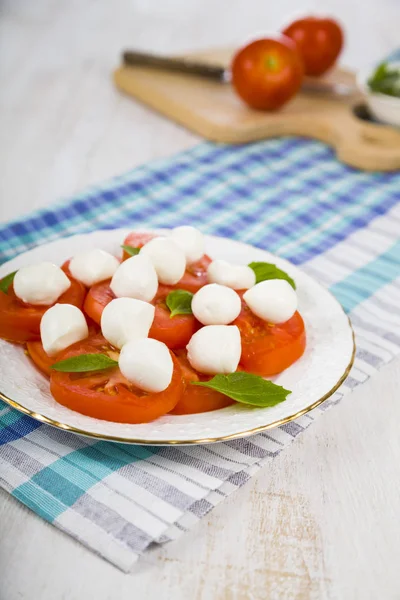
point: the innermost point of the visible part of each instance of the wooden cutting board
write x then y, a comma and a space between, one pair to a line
213, 110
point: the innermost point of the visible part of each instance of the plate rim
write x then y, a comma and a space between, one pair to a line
207, 440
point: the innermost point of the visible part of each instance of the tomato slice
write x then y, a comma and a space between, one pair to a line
38, 355
136, 239
107, 394
175, 331
195, 275
42, 361
196, 399
269, 349
20, 322
98, 296
65, 268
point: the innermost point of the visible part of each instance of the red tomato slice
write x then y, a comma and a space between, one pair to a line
136, 239
269, 349
98, 296
38, 355
65, 268
175, 331
196, 399
20, 322
107, 394
195, 275
42, 361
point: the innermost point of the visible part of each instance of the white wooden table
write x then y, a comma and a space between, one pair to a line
322, 520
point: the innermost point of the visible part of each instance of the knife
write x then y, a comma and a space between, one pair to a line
188, 66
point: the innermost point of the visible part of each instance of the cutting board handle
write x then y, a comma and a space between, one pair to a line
366, 145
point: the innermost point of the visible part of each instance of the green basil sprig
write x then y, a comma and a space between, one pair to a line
179, 302
264, 271
6, 282
247, 388
83, 363
130, 250
386, 80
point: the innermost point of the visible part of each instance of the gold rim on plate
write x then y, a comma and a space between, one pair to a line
224, 438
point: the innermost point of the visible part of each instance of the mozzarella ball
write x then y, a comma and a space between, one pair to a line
237, 277
43, 283
147, 363
135, 278
215, 349
125, 319
190, 240
274, 300
93, 266
168, 259
216, 304
61, 326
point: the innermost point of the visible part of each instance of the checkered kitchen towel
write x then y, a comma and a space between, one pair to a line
290, 196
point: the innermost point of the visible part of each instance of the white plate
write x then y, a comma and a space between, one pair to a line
323, 367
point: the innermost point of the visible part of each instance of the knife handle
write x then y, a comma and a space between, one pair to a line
180, 65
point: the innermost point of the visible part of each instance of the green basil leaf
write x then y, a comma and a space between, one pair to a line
247, 388
130, 250
385, 80
266, 271
85, 362
6, 282
179, 302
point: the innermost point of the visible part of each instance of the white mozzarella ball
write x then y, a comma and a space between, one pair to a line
168, 259
215, 349
61, 326
125, 319
43, 283
237, 277
190, 240
216, 304
274, 300
147, 363
135, 278
93, 266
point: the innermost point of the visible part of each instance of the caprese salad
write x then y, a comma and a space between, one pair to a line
163, 329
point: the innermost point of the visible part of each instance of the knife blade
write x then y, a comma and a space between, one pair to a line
180, 65
188, 66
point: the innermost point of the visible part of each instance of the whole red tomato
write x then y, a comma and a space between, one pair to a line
267, 72
319, 42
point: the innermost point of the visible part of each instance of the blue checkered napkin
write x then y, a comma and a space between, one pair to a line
289, 196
